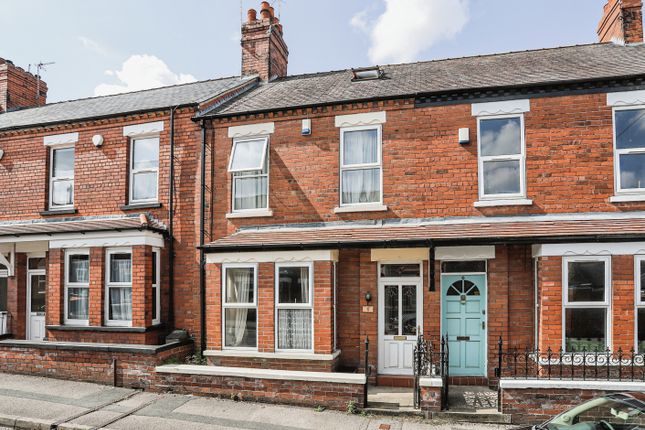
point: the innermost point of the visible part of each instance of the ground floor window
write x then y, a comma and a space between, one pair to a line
640, 302
294, 306
586, 303
156, 290
240, 306
77, 287
119, 287
3, 288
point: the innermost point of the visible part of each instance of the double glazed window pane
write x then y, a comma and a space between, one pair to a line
586, 329
630, 129
240, 287
79, 269
38, 293
248, 155
78, 303
63, 163
641, 330
120, 307
632, 171
293, 285
501, 136
360, 147
3, 294
240, 327
294, 329
144, 186
586, 281
502, 177
400, 270
145, 154
361, 186
250, 192
120, 268
62, 192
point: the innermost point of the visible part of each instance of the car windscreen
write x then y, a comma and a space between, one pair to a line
605, 413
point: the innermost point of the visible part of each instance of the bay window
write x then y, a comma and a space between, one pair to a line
144, 170
249, 166
501, 157
360, 166
77, 287
119, 287
640, 303
294, 306
61, 178
586, 303
240, 306
629, 159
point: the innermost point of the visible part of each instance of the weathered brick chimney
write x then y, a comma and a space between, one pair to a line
622, 22
264, 51
19, 88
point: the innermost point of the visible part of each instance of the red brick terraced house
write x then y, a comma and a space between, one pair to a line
480, 221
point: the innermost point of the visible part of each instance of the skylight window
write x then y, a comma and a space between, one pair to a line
367, 73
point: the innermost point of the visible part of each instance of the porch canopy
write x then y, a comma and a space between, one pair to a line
530, 229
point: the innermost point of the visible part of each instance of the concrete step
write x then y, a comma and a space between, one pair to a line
474, 417
396, 412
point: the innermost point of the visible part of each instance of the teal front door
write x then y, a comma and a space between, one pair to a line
463, 311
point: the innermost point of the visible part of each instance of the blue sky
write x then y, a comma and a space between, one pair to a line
114, 45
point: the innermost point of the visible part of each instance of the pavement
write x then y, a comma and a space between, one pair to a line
28, 402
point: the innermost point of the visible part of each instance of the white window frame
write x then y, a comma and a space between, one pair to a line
618, 152
639, 304
108, 285
513, 157
301, 306
253, 305
363, 166
234, 177
68, 254
156, 283
53, 179
133, 172
606, 304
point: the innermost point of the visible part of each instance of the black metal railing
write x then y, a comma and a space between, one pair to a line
583, 364
430, 361
367, 370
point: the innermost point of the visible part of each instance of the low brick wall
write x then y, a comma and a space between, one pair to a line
430, 394
275, 363
90, 363
289, 387
153, 336
540, 400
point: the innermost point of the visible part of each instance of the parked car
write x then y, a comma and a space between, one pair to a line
624, 411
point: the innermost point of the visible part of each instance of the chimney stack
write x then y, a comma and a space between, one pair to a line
622, 22
19, 88
264, 51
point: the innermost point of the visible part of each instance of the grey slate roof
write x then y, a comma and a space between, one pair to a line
544, 66
147, 100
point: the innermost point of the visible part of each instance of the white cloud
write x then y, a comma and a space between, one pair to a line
409, 27
140, 72
92, 45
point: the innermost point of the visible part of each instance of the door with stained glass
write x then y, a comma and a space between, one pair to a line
399, 319
36, 298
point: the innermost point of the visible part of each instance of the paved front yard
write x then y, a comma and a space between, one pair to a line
32, 402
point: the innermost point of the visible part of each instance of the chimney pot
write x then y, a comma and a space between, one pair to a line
251, 16
264, 51
272, 11
265, 10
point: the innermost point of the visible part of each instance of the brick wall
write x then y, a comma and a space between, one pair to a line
431, 399
275, 363
134, 370
19, 88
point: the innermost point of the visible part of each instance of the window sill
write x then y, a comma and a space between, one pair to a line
65, 211
250, 214
506, 202
273, 355
361, 208
140, 206
627, 198
113, 329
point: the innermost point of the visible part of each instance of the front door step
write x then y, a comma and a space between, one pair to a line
392, 409
474, 417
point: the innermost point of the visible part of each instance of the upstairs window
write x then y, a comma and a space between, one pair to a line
630, 150
61, 181
144, 170
360, 166
249, 166
501, 157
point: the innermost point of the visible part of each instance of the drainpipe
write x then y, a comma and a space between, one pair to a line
202, 268
171, 210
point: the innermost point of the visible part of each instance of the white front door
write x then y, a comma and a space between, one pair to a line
36, 291
400, 318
